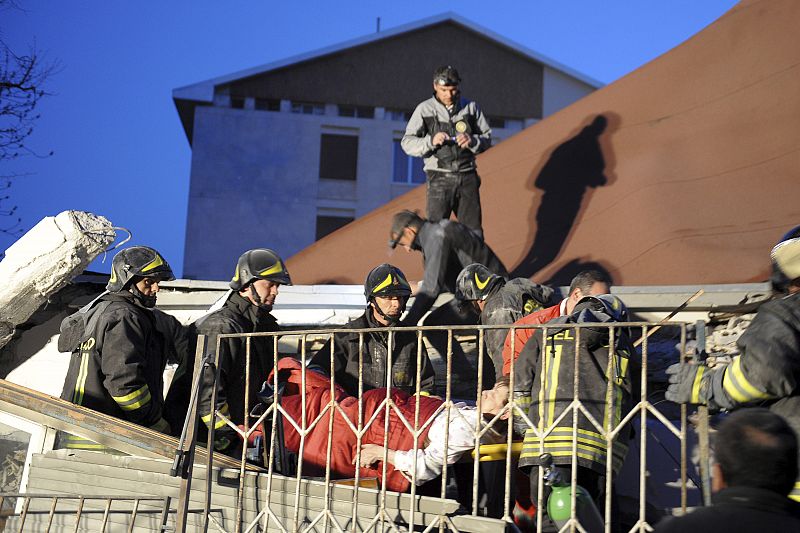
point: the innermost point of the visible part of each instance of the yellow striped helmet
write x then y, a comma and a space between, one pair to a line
260, 263
386, 280
141, 261
475, 282
786, 260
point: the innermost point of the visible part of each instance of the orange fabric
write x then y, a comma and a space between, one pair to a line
522, 335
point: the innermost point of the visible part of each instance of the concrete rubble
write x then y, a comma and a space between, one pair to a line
44, 260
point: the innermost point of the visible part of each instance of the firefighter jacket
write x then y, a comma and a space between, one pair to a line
544, 380
431, 117
768, 370
237, 315
375, 359
506, 304
447, 247
118, 370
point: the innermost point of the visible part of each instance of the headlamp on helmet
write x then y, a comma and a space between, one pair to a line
446, 75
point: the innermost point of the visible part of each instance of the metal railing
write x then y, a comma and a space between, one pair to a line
84, 515
335, 416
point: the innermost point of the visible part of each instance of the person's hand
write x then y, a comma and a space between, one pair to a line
463, 140
689, 383
440, 138
370, 453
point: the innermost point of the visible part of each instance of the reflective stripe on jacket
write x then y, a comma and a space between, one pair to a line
544, 379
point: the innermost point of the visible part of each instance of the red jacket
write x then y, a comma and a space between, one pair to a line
522, 335
344, 443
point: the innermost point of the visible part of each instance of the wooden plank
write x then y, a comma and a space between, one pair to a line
69, 473
104, 429
49, 474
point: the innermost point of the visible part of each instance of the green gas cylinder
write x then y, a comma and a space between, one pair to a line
559, 503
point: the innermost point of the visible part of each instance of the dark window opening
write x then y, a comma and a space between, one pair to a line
268, 104
356, 111
398, 114
497, 122
406, 169
308, 108
338, 157
329, 224
237, 102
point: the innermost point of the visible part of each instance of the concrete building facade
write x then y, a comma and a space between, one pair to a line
284, 154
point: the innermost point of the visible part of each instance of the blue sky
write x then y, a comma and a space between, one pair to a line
119, 149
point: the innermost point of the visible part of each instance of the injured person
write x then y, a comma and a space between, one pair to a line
306, 421
459, 435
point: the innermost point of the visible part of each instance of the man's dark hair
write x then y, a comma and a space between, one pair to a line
585, 279
757, 448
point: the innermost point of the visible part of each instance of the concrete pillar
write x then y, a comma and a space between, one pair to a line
45, 259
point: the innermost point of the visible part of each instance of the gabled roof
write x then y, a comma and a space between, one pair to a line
203, 92
685, 171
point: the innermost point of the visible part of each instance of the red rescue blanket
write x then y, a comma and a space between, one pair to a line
316, 423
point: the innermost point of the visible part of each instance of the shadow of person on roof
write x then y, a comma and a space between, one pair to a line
574, 168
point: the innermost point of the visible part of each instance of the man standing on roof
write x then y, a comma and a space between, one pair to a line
387, 292
499, 302
259, 274
447, 247
586, 283
448, 131
768, 370
117, 367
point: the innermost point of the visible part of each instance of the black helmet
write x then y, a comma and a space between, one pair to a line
401, 221
446, 75
261, 263
135, 261
386, 280
607, 303
786, 260
475, 282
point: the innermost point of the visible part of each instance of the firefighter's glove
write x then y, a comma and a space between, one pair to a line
225, 441
690, 383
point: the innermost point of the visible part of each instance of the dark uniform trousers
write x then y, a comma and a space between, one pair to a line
456, 192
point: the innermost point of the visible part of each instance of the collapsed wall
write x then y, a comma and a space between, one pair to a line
44, 259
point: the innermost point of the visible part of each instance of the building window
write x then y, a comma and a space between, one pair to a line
329, 224
397, 114
308, 108
356, 111
237, 102
268, 104
338, 157
497, 122
407, 169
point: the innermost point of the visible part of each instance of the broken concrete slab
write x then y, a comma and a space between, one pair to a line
44, 259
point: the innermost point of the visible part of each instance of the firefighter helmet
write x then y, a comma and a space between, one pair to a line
141, 261
386, 280
260, 263
786, 260
446, 75
475, 282
608, 303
